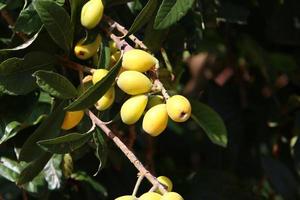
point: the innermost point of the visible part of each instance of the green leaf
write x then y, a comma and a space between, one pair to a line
49, 128
55, 84
28, 21
143, 17
34, 168
101, 148
210, 122
53, 173
16, 73
8, 170
104, 58
82, 176
65, 144
171, 11
10, 131
94, 93
8, 173
57, 22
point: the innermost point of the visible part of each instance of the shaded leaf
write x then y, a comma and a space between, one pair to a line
34, 168
49, 128
75, 11
82, 176
143, 17
65, 144
57, 22
171, 11
154, 38
94, 93
210, 122
16, 73
55, 84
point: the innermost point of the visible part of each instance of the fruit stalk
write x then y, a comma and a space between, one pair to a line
135, 161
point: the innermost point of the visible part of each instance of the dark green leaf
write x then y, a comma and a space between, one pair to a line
104, 58
28, 21
49, 128
210, 122
171, 11
101, 148
65, 144
16, 73
55, 84
94, 93
282, 62
53, 173
82, 176
154, 38
34, 168
57, 22
143, 17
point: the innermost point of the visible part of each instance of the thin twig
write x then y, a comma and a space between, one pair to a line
124, 31
73, 65
135, 161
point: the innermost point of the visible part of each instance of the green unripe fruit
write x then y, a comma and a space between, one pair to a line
138, 60
126, 197
154, 100
86, 51
150, 196
91, 13
179, 108
108, 98
172, 196
166, 182
133, 82
133, 108
155, 120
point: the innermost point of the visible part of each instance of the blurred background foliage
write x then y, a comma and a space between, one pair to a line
239, 57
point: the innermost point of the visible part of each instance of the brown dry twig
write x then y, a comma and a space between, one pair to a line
135, 161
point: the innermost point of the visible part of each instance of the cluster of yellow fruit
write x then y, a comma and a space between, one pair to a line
133, 81
157, 195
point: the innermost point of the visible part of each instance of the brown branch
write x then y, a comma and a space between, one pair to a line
135, 161
10, 21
